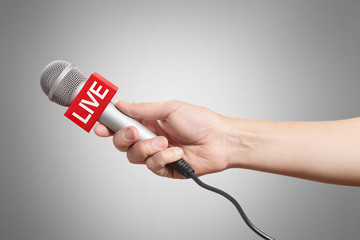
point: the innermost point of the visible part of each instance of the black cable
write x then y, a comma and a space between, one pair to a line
236, 204
186, 170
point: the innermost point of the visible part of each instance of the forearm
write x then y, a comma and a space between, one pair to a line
321, 151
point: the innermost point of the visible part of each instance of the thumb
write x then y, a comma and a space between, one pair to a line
148, 110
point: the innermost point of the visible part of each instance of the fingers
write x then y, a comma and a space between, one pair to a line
102, 131
148, 111
142, 150
154, 153
157, 163
124, 138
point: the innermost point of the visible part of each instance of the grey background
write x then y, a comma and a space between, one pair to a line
270, 60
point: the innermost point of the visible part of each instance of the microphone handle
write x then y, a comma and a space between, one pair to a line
115, 120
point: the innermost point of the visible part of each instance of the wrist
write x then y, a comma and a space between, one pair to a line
245, 138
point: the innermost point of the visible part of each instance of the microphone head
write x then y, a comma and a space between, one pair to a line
61, 81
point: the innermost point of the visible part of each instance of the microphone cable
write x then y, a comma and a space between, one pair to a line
184, 169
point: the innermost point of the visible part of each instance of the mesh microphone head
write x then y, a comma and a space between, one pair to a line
61, 80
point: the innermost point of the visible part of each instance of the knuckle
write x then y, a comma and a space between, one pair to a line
131, 157
150, 164
154, 162
141, 151
146, 149
160, 157
163, 157
153, 166
119, 143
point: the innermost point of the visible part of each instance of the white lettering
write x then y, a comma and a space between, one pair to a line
93, 103
82, 119
97, 92
86, 108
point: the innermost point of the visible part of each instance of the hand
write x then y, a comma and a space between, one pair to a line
194, 133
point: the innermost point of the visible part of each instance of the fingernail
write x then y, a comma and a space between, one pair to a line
159, 143
128, 134
178, 152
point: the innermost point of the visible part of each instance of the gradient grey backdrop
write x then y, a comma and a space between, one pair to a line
270, 60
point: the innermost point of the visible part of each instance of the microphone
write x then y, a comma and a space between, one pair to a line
89, 100
62, 82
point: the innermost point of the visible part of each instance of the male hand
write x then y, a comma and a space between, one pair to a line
194, 133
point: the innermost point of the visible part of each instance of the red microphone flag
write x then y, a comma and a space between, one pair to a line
91, 101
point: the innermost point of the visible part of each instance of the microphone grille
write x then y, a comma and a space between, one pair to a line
59, 81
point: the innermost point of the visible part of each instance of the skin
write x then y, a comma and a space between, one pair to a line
327, 151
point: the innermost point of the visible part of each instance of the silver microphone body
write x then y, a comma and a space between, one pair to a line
115, 120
